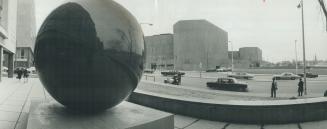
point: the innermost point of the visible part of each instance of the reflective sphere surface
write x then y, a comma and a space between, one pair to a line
90, 54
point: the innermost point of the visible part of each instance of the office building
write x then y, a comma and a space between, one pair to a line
199, 45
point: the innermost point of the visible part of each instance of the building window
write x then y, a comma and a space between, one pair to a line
22, 54
1, 8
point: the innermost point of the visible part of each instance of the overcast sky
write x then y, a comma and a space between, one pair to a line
273, 25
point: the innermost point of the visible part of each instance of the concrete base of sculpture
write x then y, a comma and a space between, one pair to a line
52, 115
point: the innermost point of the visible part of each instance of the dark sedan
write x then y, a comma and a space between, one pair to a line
309, 75
172, 73
228, 84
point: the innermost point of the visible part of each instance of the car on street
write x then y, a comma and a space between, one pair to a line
149, 71
4, 71
287, 76
309, 75
32, 70
211, 70
223, 69
241, 75
172, 73
228, 84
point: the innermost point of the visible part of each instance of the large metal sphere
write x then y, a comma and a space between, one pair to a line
90, 54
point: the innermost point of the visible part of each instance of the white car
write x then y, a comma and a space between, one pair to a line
32, 70
287, 76
241, 75
4, 71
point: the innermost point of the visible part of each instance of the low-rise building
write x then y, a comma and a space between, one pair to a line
159, 51
251, 54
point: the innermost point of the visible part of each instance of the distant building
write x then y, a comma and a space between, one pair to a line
159, 51
26, 26
199, 43
251, 54
236, 55
8, 22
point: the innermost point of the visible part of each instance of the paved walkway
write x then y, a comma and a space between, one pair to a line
15, 97
15, 100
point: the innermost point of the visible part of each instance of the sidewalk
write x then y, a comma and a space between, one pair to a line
15, 100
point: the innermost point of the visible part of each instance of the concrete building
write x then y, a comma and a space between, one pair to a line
8, 22
199, 45
236, 55
251, 54
26, 31
159, 50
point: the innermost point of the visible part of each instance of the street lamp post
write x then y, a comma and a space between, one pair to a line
296, 67
304, 60
232, 55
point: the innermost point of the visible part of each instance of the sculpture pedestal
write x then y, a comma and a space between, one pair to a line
52, 115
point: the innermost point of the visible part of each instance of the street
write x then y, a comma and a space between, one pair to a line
258, 86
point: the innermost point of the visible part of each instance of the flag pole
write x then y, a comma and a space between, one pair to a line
304, 60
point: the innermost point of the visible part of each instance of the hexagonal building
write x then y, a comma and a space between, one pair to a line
199, 45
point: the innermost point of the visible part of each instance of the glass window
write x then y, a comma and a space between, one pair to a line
22, 53
1, 7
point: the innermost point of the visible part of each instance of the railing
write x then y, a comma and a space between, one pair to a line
150, 76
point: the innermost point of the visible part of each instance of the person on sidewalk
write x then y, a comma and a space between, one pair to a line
273, 88
19, 73
25, 75
300, 87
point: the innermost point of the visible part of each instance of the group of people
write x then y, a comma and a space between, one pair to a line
177, 79
274, 88
22, 73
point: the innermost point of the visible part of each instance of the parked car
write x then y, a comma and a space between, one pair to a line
4, 71
241, 75
223, 69
172, 73
32, 70
211, 70
286, 76
175, 80
149, 71
309, 75
228, 84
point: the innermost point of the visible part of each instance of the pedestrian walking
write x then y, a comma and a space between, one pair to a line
300, 87
19, 74
273, 88
25, 75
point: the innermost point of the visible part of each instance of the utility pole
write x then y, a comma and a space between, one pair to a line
296, 57
304, 60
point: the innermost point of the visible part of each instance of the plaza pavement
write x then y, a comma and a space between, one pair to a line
15, 98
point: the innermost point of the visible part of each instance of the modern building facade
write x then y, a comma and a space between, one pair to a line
8, 22
26, 32
199, 45
159, 49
